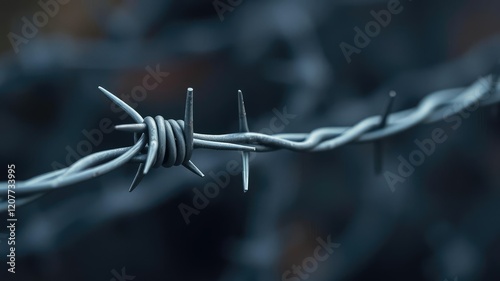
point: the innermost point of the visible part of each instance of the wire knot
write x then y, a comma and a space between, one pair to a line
167, 141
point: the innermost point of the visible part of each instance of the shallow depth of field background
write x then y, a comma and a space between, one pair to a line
441, 223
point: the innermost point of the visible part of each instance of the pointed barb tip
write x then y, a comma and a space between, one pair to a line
192, 167
150, 160
129, 110
246, 169
138, 178
243, 124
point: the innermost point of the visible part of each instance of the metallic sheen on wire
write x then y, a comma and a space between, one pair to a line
167, 143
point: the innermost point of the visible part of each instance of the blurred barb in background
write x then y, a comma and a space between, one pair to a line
441, 223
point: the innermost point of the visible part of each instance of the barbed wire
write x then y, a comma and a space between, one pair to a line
160, 142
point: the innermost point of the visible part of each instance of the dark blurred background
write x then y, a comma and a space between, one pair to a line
440, 224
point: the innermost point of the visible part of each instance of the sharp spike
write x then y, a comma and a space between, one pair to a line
133, 128
383, 122
153, 143
138, 177
243, 128
392, 97
192, 167
245, 170
150, 160
242, 113
129, 110
188, 123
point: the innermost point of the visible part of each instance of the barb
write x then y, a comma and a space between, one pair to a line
378, 144
168, 143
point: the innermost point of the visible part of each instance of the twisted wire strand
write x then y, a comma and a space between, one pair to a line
168, 143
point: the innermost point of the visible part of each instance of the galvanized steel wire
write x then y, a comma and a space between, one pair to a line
170, 143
